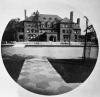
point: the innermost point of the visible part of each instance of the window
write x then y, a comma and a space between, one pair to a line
34, 35
66, 36
35, 30
75, 36
32, 30
63, 31
49, 25
63, 25
75, 32
18, 30
66, 25
21, 37
28, 30
43, 26
30, 36
22, 30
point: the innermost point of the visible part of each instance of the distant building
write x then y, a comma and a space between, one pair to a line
82, 38
47, 27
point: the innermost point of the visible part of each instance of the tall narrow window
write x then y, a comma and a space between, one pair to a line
22, 30
75, 36
64, 36
28, 30
32, 30
63, 31
18, 30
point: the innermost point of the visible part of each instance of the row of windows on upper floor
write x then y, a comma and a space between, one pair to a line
49, 25
40, 31
68, 31
35, 31
66, 25
41, 25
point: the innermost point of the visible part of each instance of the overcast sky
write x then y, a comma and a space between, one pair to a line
16, 9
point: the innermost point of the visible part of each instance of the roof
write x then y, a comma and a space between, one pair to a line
76, 26
66, 20
45, 18
20, 24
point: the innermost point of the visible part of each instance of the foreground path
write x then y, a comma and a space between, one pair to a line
38, 76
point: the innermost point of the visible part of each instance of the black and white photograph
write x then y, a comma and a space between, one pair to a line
48, 48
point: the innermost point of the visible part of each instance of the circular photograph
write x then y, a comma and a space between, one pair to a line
49, 48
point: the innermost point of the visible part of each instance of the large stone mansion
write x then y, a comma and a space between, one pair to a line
46, 27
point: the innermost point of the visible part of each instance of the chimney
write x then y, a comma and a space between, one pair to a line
71, 16
78, 21
25, 14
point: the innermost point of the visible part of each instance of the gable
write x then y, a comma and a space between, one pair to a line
66, 20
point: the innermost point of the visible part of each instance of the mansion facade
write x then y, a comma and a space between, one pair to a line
45, 27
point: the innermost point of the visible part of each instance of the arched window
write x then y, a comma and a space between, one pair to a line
43, 24
49, 24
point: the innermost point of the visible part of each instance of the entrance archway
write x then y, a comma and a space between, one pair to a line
21, 37
52, 38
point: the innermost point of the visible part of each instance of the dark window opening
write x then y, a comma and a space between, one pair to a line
66, 36
21, 37
52, 38
63, 31
75, 36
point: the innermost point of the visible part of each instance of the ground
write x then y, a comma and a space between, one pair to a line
48, 76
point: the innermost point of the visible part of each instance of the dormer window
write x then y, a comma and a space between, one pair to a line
49, 24
66, 25
75, 32
50, 18
43, 24
44, 18
63, 25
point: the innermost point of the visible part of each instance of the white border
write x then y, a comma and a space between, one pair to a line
90, 88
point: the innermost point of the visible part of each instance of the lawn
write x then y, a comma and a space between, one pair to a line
13, 64
73, 70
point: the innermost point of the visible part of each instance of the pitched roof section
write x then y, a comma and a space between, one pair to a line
66, 20
45, 18
76, 26
49, 17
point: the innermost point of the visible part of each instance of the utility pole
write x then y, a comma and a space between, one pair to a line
85, 39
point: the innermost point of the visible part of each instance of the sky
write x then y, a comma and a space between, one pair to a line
15, 8
44, 7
